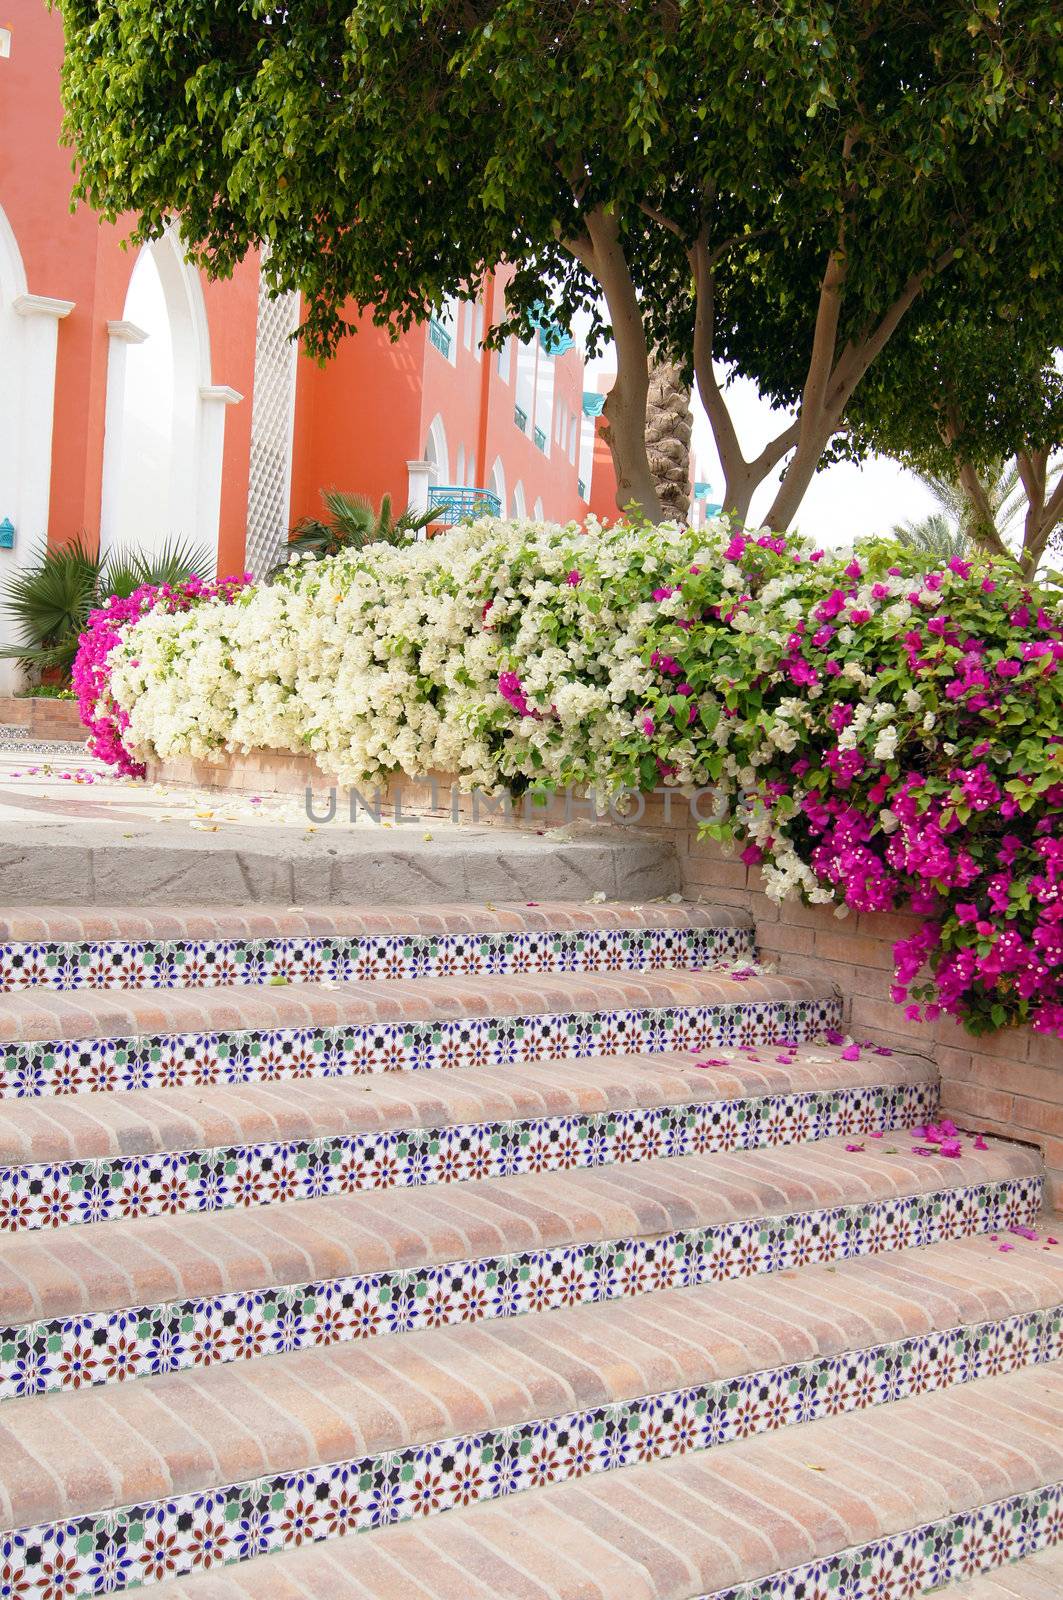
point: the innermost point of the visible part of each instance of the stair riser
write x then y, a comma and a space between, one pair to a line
921, 1559
75, 1066
137, 1341
237, 1521
224, 963
58, 1195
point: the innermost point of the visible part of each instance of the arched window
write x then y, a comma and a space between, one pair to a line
459, 468
519, 507
537, 510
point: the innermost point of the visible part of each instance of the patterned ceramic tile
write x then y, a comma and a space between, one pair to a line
73, 1066
52, 1196
196, 963
109, 1346
918, 1560
143, 1543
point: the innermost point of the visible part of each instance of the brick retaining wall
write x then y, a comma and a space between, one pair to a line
1009, 1083
43, 718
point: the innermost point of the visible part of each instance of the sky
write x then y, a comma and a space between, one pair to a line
843, 501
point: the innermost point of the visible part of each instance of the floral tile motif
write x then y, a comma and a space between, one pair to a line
51, 1196
110, 1346
907, 1564
145, 1543
73, 1066
199, 963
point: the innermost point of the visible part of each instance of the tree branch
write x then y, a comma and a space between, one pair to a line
732, 460
825, 334
856, 358
984, 528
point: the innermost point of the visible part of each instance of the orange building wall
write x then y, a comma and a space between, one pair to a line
75, 256
357, 420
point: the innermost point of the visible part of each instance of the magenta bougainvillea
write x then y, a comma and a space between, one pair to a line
105, 720
892, 735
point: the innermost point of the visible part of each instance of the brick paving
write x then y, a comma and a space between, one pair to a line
700, 1524
804, 1356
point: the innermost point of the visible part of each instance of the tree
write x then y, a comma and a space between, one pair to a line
975, 407
936, 534
770, 187
669, 425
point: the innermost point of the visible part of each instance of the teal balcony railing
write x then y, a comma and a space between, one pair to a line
440, 337
520, 417
540, 439
581, 488
454, 503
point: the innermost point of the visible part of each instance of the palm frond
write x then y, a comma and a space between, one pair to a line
49, 601
178, 559
933, 534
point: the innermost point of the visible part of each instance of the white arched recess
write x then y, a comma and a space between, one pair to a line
497, 485
436, 453
164, 433
29, 330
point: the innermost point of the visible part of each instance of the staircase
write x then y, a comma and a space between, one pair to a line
564, 1220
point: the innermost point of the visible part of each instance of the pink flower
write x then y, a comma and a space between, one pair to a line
752, 855
573, 578
648, 727
851, 1053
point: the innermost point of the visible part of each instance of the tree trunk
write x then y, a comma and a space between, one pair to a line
668, 427
625, 434
600, 252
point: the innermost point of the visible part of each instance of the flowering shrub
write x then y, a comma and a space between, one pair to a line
100, 712
897, 732
889, 734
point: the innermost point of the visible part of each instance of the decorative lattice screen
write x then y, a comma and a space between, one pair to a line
272, 413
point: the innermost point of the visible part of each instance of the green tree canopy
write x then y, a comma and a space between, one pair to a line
975, 403
770, 186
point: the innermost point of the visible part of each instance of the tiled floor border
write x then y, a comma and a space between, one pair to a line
111, 1346
148, 1061
145, 1543
921, 1559
310, 958
180, 1181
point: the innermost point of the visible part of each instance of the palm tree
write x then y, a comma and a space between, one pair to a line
50, 598
960, 525
668, 428
934, 535
351, 524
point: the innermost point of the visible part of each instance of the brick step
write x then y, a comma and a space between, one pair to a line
76, 1159
129, 947
139, 1039
885, 1502
1036, 1577
93, 1303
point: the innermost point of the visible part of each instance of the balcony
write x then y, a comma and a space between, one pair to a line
581, 488
520, 417
455, 503
540, 440
440, 337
